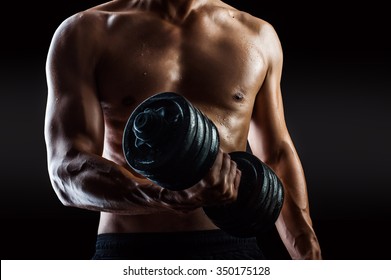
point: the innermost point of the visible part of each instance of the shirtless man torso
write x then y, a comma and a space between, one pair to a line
106, 60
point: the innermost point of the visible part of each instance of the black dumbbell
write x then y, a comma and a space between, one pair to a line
173, 144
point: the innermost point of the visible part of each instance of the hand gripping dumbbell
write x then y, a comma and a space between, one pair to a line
173, 144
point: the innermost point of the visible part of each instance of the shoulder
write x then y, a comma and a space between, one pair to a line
79, 38
256, 26
266, 37
87, 19
263, 30
78, 26
259, 31
80, 35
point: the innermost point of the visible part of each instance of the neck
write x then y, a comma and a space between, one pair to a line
174, 10
178, 9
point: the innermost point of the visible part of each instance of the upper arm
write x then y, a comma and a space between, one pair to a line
268, 132
73, 118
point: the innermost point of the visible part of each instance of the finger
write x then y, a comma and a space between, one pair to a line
232, 182
218, 161
214, 172
233, 172
238, 177
226, 165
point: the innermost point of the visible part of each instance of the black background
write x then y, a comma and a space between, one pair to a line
337, 97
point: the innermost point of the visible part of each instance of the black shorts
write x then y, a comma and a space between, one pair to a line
194, 245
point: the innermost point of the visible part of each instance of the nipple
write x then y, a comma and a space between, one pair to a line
238, 96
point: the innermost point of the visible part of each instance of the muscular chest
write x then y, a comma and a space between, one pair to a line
200, 60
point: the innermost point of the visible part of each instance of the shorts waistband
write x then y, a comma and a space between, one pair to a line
193, 239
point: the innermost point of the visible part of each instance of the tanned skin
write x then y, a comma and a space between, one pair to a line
106, 60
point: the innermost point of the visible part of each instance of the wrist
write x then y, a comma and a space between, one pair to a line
306, 247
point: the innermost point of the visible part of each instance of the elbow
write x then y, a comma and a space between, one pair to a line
61, 192
273, 157
65, 201
278, 154
60, 183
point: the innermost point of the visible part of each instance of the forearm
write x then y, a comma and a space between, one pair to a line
91, 182
294, 223
297, 233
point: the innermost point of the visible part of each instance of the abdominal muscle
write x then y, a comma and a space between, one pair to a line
157, 222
